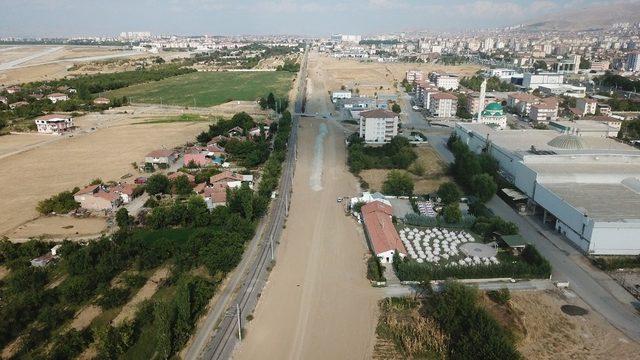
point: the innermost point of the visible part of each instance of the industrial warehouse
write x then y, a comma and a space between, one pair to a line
587, 187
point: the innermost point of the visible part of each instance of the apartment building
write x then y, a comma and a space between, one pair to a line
443, 105
378, 126
544, 112
586, 106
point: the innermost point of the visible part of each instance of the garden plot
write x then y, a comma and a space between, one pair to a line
446, 247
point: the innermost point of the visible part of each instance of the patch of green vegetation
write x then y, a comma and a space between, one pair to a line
208, 88
178, 119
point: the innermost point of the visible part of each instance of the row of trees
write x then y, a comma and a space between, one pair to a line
493, 83
279, 104
530, 264
476, 173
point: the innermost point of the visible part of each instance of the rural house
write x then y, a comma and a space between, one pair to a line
232, 180
97, 197
55, 97
163, 156
54, 124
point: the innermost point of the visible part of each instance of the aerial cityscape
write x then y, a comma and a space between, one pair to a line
320, 180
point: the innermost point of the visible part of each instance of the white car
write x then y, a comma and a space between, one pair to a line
416, 107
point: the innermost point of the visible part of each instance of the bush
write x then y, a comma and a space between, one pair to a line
397, 154
61, 203
474, 334
531, 265
501, 296
609, 263
375, 270
452, 214
398, 184
114, 297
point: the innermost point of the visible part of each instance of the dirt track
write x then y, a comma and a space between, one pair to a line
318, 303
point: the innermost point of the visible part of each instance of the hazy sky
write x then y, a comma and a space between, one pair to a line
52, 18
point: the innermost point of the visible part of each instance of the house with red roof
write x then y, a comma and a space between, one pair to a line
229, 179
97, 197
381, 234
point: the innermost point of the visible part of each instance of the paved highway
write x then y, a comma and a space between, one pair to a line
248, 280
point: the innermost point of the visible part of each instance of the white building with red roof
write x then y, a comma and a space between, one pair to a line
54, 124
381, 233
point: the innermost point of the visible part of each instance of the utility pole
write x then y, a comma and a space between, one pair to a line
239, 322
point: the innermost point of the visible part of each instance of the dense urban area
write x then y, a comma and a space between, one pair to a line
469, 195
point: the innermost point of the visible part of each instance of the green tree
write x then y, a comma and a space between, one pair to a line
540, 65
398, 183
452, 213
123, 219
483, 187
162, 327
181, 186
396, 108
158, 184
449, 193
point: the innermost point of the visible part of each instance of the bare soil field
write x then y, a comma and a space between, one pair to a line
10, 143
59, 226
317, 303
85, 317
551, 334
434, 172
368, 77
25, 63
66, 162
148, 289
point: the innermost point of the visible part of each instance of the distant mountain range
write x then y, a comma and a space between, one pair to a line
587, 18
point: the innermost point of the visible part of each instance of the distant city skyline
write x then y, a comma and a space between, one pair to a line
68, 18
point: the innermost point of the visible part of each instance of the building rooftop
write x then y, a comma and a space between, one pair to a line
521, 140
382, 232
604, 202
378, 114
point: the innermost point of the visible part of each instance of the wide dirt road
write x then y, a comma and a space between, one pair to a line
318, 303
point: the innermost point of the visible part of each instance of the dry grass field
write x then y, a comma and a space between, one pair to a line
32, 173
369, 77
551, 334
25, 63
428, 159
58, 227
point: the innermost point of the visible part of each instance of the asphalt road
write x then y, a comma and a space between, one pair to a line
248, 280
594, 286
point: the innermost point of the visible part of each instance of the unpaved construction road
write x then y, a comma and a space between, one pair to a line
318, 303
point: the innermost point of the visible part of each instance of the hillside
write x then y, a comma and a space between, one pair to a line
587, 17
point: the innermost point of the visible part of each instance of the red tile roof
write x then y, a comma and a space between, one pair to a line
225, 176
443, 96
382, 233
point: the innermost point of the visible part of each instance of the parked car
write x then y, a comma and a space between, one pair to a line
140, 180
